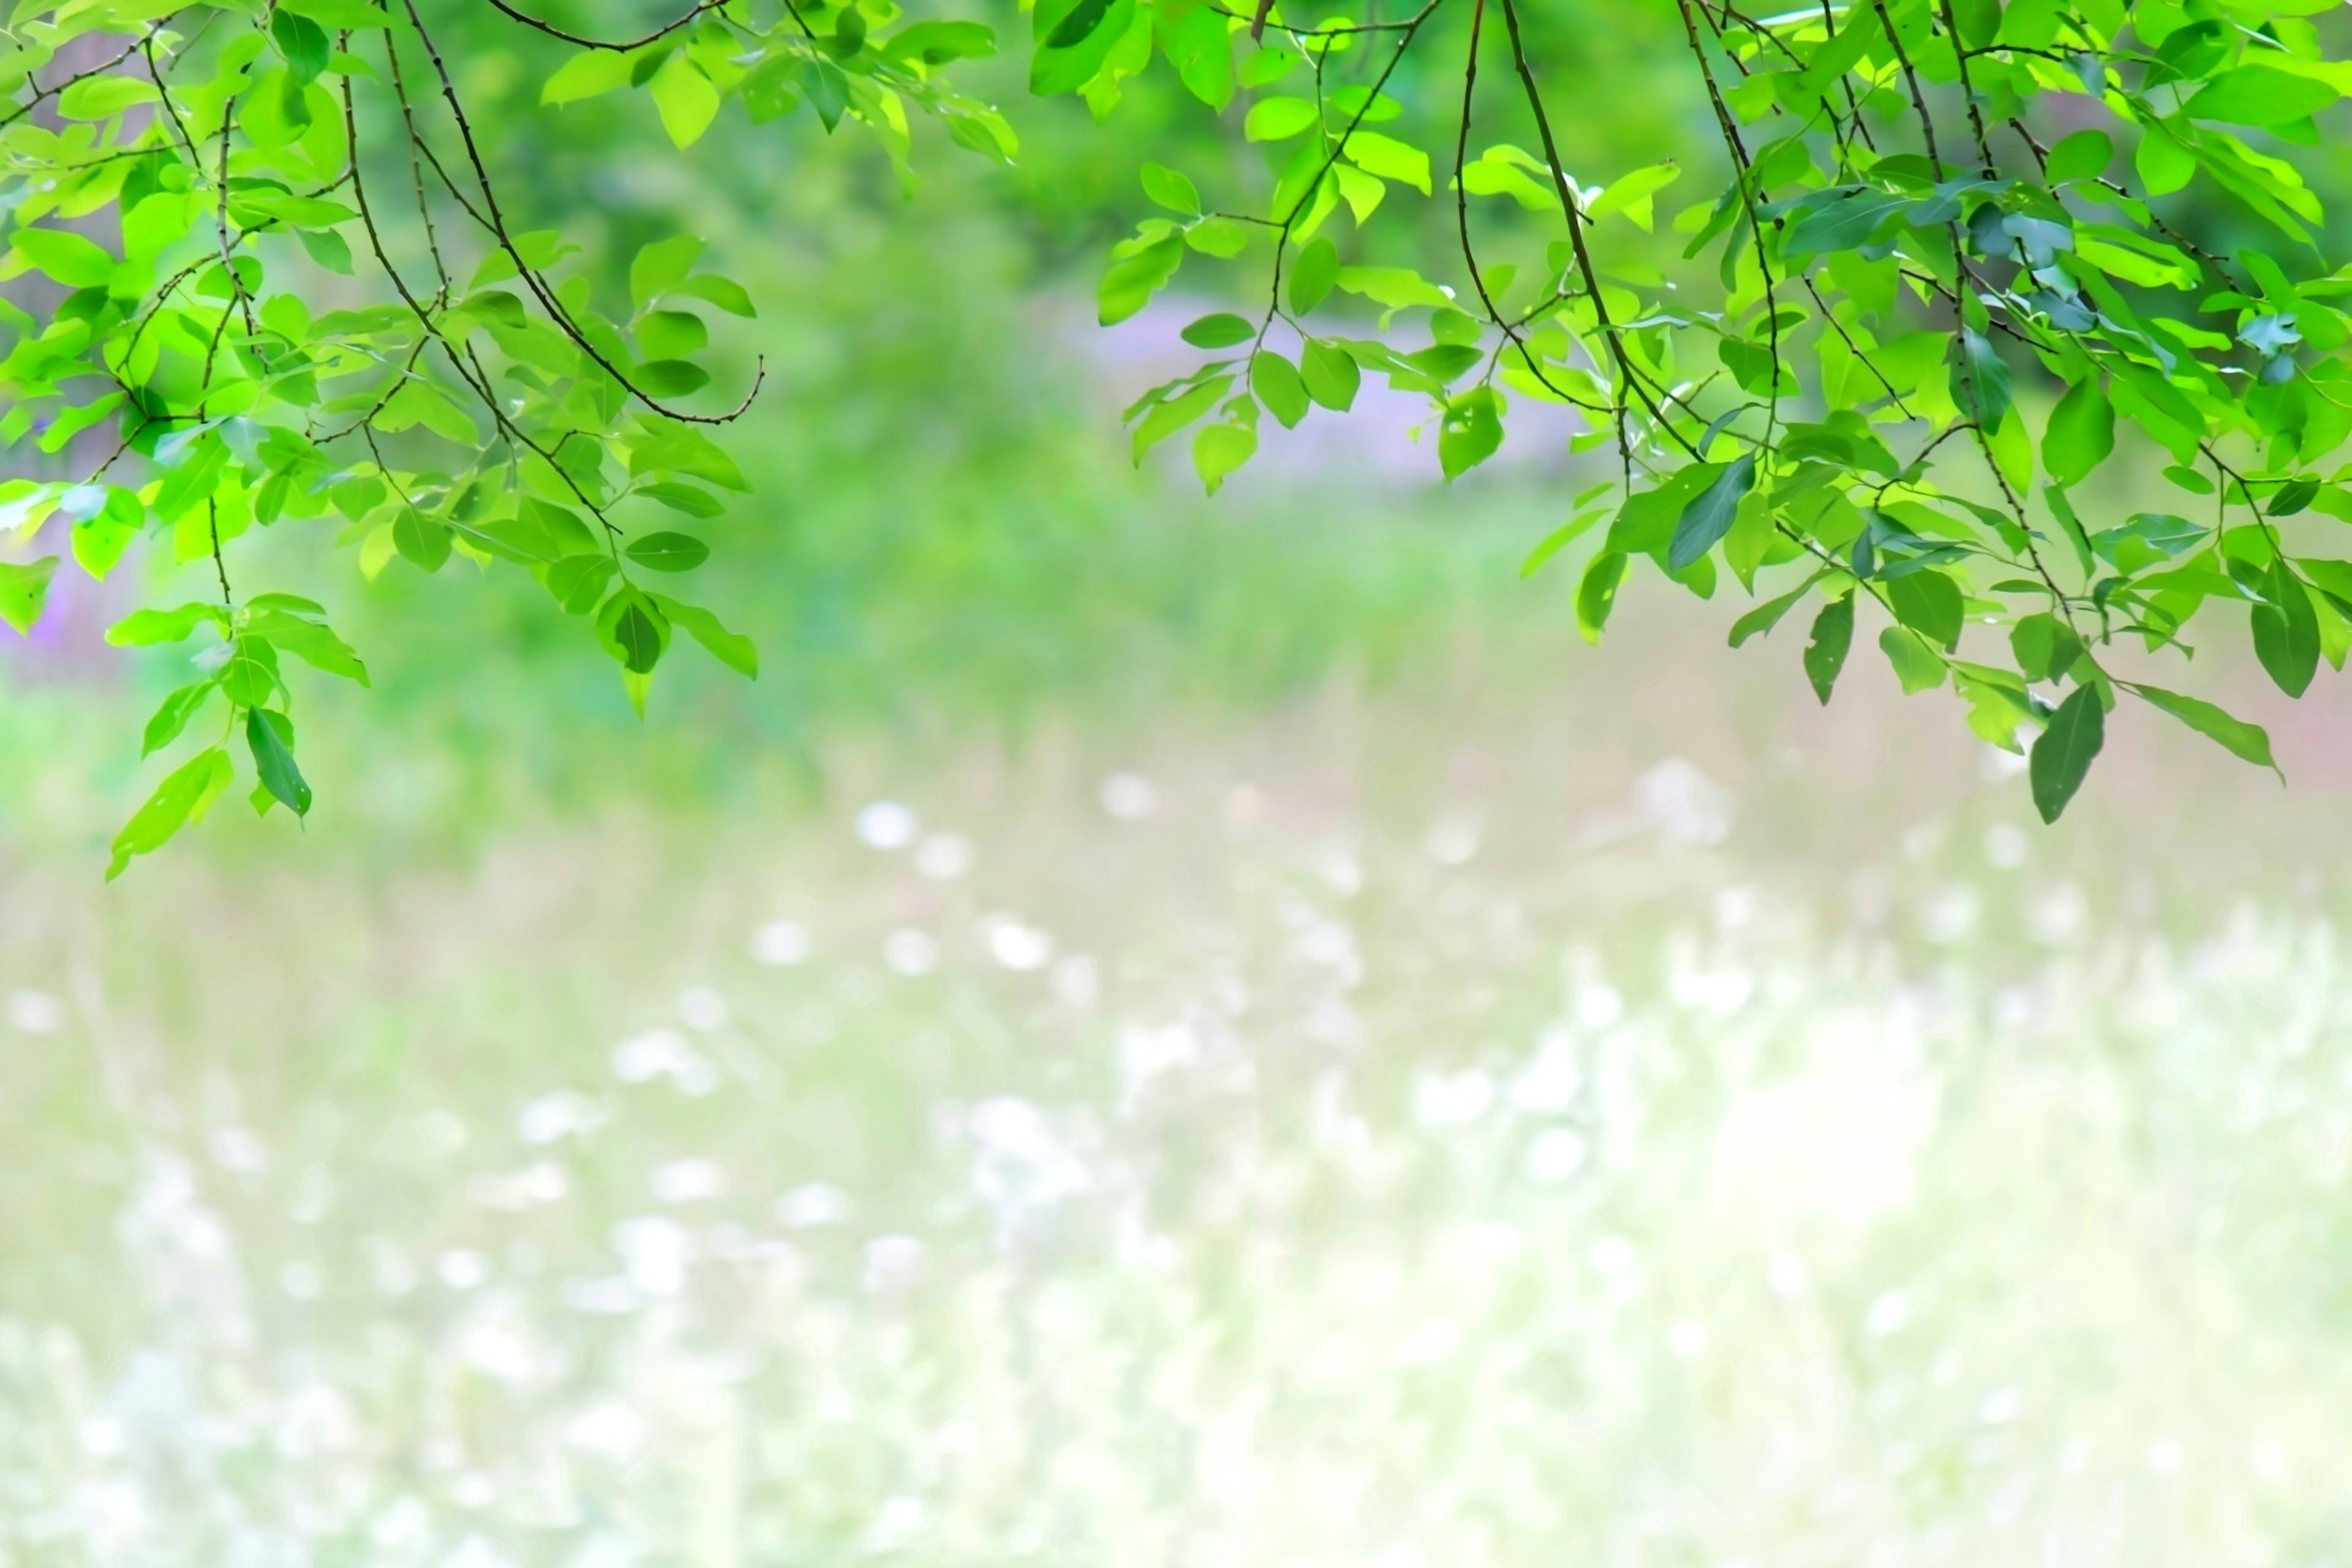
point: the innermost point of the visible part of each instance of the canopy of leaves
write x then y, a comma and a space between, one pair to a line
1937, 265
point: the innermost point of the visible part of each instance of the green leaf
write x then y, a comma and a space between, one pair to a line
1471, 432
1559, 539
2063, 753
1390, 159
1131, 281
309, 640
1760, 621
421, 540
2081, 433
145, 628
25, 591
1201, 49
686, 100
181, 798
1596, 594
1279, 119
266, 736
2242, 740
2083, 156
668, 551
1276, 382
634, 630
672, 377
1075, 42
1219, 449
2046, 648
1331, 372
302, 42
1222, 331
1915, 663
1981, 382
2286, 631
1929, 603
1078, 23
1841, 219
578, 580
68, 257
249, 676
587, 74
1710, 514
733, 649
173, 715
1171, 190
2260, 95
1313, 274
2070, 525
683, 497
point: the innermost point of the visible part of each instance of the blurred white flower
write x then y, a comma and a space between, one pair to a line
664, 1053
814, 1204
943, 857
557, 1115
1018, 946
689, 1181
1130, 797
654, 1250
237, 1149
461, 1269
910, 953
779, 944
1556, 1155
1452, 840
702, 1009
887, 825
35, 1012
1452, 1099
893, 1262
1683, 803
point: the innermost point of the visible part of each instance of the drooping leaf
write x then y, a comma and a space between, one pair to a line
1709, 516
2063, 753
265, 735
2249, 741
1832, 638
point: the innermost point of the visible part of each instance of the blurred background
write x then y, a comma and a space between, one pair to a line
1159, 1031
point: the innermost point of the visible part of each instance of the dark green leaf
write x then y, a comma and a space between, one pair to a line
1832, 637
2286, 631
273, 760
2063, 753
1710, 514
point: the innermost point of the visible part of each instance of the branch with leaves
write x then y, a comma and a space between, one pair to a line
1915, 439
1949, 265
260, 160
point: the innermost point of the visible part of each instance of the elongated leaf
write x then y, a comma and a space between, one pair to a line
182, 796
1596, 594
2249, 741
273, 760
1832, 637
2063, 753
1709, 516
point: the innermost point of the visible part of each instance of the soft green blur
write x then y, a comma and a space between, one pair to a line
1159, 1032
